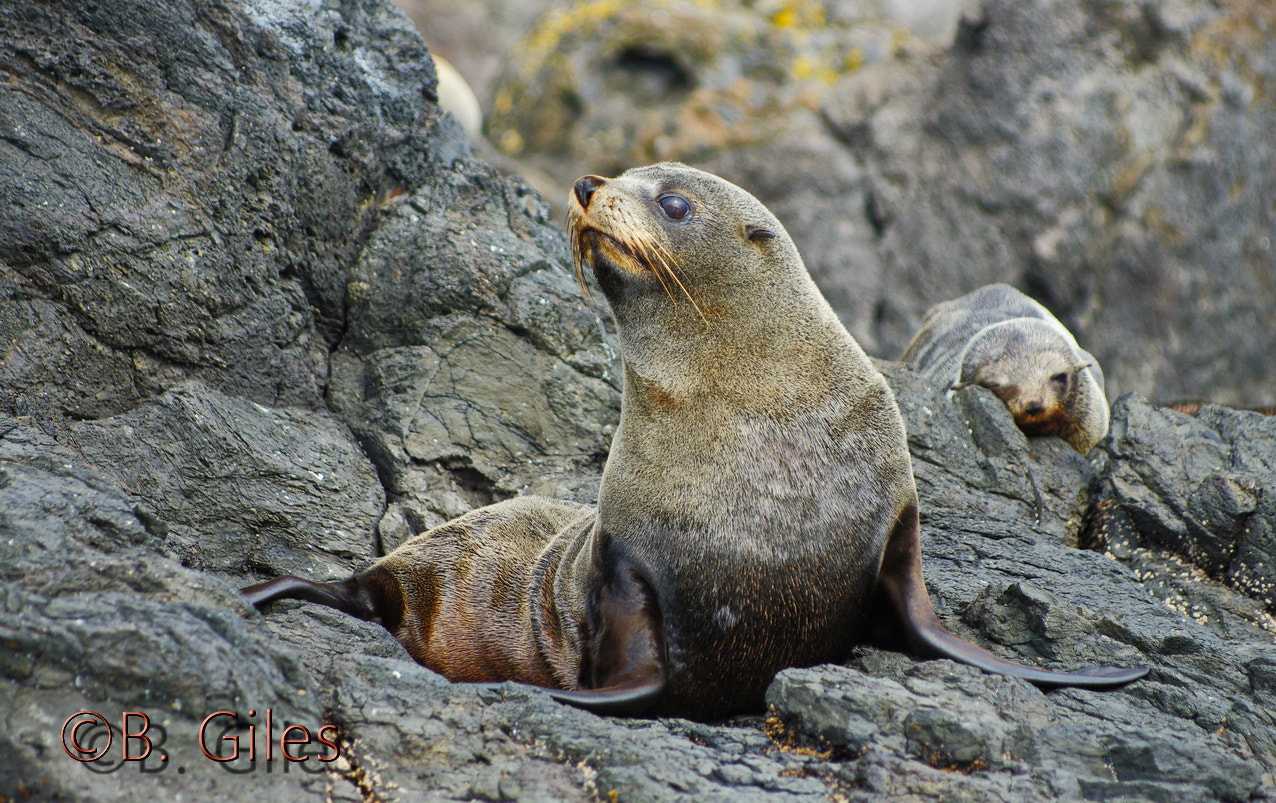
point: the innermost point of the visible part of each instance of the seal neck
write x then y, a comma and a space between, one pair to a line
742, 356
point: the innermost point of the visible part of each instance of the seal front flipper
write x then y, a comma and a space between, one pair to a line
902, 591
624, 667
625, 700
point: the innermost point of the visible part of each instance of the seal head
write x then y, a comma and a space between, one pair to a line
1033, 369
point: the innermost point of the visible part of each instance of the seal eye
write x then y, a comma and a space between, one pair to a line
1060, 379
675, 207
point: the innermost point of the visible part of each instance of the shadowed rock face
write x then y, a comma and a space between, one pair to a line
263, 312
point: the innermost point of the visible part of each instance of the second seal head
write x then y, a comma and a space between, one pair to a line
1001, 339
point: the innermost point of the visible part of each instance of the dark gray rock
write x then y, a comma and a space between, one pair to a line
1000, 739
1002, 575
286, 491
471, 371
1197, 486
195, 217
95, 616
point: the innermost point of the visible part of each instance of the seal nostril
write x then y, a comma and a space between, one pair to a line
585, 187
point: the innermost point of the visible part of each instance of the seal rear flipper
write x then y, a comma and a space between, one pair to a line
901, 591
353, 596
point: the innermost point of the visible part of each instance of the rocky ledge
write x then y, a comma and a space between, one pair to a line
263, 312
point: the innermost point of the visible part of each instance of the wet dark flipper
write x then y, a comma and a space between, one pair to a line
348, 596
901, 591
630, 700
625, 666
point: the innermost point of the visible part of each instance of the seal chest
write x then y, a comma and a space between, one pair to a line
757, 510
1001, 339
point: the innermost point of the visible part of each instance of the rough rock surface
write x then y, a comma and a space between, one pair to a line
1210, 503
1111, 159
285, 491
282, 319
469, 370
194, 217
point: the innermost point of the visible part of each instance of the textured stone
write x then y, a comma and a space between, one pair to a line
288, 491
1198, 486
471, 371
194, 217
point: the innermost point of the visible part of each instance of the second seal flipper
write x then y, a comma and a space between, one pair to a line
901, 591
634, 699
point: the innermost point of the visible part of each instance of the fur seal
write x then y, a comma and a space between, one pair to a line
757, 510
999, 338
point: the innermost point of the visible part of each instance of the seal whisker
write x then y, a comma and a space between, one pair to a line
575, 237
580, 277
668, 264
650, 263
644, 252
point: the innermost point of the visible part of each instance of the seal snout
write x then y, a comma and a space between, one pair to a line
1027, 410
585, 187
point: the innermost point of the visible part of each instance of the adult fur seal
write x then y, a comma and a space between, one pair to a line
999, 338
757, 510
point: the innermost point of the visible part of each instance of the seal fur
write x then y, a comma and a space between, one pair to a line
757, 510
1001, 339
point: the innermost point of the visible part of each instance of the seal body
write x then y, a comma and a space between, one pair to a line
1001, 339
757, 509
760, 461
496, 594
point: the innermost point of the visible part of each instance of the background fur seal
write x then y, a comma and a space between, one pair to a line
757, 510
1001, 339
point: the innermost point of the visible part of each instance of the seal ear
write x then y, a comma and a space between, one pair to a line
958, 385
757, 234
